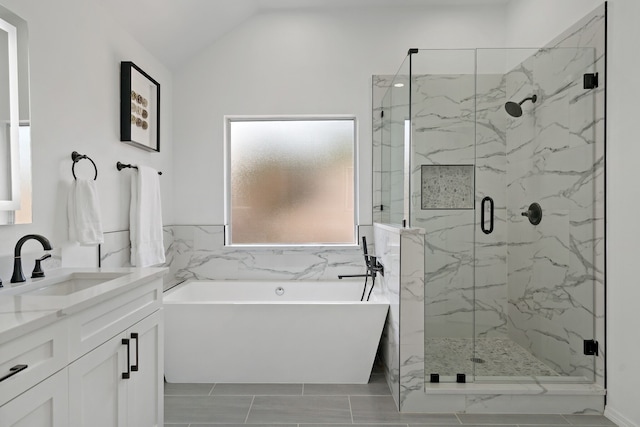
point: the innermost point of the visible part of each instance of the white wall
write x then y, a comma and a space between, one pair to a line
532, 23
75, 54
623, 203
623, 152
301, 62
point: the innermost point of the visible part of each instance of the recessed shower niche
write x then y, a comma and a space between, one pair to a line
446, 186
514, 302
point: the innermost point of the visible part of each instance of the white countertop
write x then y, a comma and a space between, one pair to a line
22, 313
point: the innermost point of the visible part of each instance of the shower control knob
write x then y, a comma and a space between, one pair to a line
534, 213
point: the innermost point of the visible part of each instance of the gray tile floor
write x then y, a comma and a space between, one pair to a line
316, 405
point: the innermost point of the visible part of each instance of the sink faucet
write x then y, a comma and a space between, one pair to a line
18, 276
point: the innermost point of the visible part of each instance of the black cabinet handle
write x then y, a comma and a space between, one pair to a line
14, 370
134, 336
482, 210
126, 375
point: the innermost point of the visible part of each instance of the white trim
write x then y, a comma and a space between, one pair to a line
12, 127
292, 117
618, 418
298, 117
227, 180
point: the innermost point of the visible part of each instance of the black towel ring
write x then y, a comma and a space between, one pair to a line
76, 157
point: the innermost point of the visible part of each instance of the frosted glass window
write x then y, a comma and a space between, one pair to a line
291, 181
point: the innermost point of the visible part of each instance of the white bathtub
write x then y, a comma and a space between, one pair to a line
244, 332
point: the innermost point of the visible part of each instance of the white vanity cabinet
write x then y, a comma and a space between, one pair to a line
76, 363
43, 405
37, 394
120, 382
42, 352
146, 388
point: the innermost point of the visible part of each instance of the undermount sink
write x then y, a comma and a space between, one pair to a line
65, 285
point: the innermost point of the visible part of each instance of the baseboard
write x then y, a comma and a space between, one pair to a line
618, 418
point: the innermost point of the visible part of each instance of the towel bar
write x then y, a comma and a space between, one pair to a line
121, 166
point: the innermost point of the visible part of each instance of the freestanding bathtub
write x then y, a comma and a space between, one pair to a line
271, 332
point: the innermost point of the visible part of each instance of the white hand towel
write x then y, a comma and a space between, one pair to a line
145, 219
83, 211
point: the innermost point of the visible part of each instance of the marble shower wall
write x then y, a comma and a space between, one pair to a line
556, 158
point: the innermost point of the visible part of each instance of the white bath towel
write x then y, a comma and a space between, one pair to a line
145, 219
83, 212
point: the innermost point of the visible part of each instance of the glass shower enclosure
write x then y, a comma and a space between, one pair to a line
493, 153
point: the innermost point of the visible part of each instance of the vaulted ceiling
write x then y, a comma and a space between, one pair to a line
175, 30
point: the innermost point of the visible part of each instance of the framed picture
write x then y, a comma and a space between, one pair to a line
139, 107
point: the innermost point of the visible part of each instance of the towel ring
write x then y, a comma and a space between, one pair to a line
76, 157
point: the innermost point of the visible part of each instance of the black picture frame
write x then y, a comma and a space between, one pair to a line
139, 108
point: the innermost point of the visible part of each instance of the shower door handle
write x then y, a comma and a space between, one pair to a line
486, 230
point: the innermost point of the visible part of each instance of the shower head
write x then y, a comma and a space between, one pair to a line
515, 109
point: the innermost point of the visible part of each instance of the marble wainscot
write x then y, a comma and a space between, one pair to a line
199, 252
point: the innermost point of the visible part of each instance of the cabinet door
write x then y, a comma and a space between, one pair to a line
97, 391
44, 351
146, 388
44, 405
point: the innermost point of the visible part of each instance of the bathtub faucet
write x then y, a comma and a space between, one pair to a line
373, 268
371, 263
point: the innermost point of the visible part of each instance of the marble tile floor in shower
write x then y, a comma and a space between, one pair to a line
325, 405
497, 357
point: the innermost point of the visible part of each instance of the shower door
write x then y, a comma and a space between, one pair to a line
442, 203
393, 140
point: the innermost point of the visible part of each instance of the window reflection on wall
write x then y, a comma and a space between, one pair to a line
291, 181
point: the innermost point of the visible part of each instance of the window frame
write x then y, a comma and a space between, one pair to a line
228, 119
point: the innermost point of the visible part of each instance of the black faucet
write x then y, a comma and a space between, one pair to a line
18, 276
37, 269
373, 267
371, 263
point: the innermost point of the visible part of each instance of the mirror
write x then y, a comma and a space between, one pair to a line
15, 124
